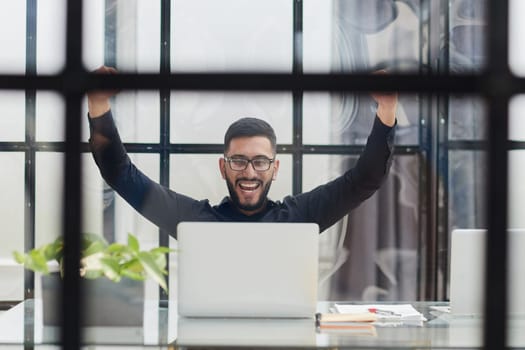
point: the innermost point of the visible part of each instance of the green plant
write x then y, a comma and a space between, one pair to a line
98, 258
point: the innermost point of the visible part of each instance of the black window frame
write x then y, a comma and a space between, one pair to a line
496, 84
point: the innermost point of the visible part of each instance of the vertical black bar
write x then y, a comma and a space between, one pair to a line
165, 68
30, 100
297, 69
29, 209
72, 293
495, 324
110, 59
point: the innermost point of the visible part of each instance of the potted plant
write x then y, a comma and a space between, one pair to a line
112, 278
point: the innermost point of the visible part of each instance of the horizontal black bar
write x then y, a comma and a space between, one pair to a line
359, 82
452, 145
481, 145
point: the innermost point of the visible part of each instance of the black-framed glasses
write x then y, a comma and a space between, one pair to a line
240, 164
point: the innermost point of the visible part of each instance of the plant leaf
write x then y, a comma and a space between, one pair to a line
152, 269
36, 261
162, 250
111, 268
19, 257
93, 248
133, 243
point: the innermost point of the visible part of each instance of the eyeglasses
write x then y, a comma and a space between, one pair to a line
240, 164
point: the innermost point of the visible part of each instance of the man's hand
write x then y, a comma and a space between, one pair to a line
98, 101
386, 104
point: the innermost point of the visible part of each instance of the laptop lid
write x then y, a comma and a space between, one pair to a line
234, 269
467, 271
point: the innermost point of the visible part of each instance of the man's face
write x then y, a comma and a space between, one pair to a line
249, 188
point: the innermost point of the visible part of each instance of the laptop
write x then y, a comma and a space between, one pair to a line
467, 271
237, 269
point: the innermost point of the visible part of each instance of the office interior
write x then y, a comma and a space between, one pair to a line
296, 64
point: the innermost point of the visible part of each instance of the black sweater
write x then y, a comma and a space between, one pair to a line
324, 205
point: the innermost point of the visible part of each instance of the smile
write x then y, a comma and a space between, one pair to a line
249, 186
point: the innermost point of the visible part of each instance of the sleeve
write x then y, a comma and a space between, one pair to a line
328, 203
163, 207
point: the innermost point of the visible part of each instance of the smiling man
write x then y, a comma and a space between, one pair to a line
249, 166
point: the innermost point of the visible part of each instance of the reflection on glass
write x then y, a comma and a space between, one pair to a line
337, 118
379, 241
342, 35
467, 179
467, 31
231, 35
467, 118
198, 117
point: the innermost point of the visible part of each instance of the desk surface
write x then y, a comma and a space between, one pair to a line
22, 325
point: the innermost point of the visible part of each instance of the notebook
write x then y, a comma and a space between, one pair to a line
228, 269
467, 271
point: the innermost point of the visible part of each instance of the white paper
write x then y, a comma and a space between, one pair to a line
401, 312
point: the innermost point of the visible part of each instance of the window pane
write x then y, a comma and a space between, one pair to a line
137, 115
334, 118
122, 33
198, 176
375, 253
12, 109
467, 118
468, 32
12, 208
342, 35
204, 117
516, 30
51, 36
231, 35
13, 36
50, 112
467, 189
517, 118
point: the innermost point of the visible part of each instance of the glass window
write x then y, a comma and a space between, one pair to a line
13, 37
12, 208
50, 112
342, 36
51, 36
343, 118
467, 32
198, 117
231, 35
516, 30
124, 34
12, 109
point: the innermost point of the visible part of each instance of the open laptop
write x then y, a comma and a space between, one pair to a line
467, 271
228, 269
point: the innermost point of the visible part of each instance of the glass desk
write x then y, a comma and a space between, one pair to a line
21, 327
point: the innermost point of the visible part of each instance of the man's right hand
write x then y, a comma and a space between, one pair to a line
98, 100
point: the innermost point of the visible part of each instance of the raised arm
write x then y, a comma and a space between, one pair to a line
163, 207
98, 101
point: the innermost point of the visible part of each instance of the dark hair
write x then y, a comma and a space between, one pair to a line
249, 127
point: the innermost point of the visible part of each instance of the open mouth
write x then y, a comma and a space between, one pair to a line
249, 186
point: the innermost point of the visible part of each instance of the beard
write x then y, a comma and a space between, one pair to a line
248, 207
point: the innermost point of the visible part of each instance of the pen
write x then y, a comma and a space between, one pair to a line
383, 312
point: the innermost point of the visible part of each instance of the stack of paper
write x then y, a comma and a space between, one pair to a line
376, 313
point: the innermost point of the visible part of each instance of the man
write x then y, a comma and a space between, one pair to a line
249, 166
